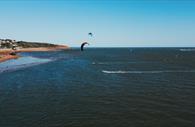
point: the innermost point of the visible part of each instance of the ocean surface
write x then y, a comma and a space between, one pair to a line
100, 87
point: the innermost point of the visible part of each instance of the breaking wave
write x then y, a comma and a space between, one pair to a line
108, 63
187, 50
148, 72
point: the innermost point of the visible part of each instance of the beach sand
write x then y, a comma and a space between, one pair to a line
5, 53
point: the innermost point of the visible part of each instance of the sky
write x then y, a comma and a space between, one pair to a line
114, 23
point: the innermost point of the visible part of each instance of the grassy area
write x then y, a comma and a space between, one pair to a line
24, 44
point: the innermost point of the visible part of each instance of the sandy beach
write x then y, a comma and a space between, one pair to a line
5, 53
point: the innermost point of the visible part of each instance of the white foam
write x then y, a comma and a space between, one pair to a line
187, 50
148, 72
111, 63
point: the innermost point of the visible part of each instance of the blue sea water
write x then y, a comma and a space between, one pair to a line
100, 87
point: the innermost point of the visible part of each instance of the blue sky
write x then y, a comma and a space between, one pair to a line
123, 23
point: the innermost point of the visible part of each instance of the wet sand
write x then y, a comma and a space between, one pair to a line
7, 57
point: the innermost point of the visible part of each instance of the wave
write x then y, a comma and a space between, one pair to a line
148, 72
187, 50
109, 63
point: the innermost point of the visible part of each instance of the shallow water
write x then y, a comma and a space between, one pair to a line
103, 87
21, 62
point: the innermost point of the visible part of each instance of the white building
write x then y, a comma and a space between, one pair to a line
7, 41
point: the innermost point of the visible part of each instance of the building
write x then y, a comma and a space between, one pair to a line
7, 43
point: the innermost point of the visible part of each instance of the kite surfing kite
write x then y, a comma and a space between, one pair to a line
90, 34
83, 44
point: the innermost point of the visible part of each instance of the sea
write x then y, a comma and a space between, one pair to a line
99, 87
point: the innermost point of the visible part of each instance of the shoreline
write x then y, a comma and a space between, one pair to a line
5, 53
4, 58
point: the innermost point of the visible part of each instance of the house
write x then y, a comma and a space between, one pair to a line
7, 43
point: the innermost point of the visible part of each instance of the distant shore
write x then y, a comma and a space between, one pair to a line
5, 53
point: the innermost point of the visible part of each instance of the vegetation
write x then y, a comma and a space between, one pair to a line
24, 44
